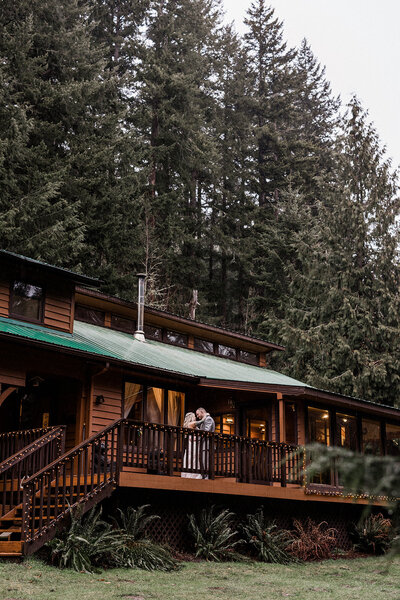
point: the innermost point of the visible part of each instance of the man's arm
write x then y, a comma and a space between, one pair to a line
209, 424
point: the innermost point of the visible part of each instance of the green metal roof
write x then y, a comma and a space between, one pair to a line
121, 346
72, 275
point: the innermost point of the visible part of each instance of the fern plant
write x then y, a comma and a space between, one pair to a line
89, 543
266, 541
135, 550
213, 536
310, 541
373, 535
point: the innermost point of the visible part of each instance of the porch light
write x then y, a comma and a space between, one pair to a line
99, 400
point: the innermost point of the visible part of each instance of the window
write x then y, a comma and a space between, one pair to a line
318, 426
371, 437
393, 439
26, 301
319, 431
173, 337
228, 424
155, 405
248, 357
133, 401
226, 351
203, 345
257, 424
346, 431
176, 407
153, 333
89, 315
123, 324
290, 423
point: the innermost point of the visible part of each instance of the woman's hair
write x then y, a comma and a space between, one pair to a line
189, 418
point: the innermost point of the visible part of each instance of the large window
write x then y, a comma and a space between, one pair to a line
176, 407
134, 401
346, 431
318, 426
393, 439
371, 437
153, 404
26, 301
225, 423
257, 424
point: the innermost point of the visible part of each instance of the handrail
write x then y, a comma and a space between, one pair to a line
12, 442
73, 451
88, 471
168, 449
32, 448
26, 462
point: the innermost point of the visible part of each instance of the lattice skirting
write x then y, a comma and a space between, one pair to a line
174, 507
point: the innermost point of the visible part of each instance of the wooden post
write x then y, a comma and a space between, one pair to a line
282, 424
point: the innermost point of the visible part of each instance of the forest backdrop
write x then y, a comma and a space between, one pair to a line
147, 135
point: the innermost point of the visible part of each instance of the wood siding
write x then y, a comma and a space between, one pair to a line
4, 298
58, 309
108, 385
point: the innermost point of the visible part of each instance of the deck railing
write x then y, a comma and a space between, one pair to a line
26, 462
82, 476
168, 450
12, 442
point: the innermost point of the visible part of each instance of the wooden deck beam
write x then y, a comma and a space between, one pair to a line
227, 486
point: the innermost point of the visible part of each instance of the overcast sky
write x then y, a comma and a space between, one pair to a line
358, 41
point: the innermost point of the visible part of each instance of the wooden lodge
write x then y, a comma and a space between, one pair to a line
89, 409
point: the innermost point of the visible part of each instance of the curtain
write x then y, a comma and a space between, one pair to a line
176, 405
133, 395
155, 405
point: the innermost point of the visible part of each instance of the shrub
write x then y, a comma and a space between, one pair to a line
91, 543
135, 550
88, 544
213, 536
373, 535
311, 541
266, 541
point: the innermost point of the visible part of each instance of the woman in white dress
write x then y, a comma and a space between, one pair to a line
190, 456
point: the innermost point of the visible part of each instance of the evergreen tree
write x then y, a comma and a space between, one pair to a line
341, 314
176, 98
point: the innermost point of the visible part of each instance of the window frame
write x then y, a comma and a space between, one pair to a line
19, 317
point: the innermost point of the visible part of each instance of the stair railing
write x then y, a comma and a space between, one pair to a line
26, 462
83, 476
12, 442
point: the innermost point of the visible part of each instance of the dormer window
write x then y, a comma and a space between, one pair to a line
26, 301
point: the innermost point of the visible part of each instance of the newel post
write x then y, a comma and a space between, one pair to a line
120, 449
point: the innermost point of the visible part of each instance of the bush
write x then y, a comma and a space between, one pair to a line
266, 541
135, 550
373, 535
213, 536
91, 543
88, 544
311, 541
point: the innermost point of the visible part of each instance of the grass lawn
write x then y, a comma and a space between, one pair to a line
360, 579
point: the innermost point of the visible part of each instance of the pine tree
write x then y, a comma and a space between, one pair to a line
176, 99
341, 314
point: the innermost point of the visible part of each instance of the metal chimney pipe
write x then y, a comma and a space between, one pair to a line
139, 333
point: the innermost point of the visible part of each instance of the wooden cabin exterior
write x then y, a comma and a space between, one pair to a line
87, 411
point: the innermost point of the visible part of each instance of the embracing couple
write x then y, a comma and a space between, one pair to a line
196, 453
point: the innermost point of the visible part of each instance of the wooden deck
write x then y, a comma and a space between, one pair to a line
130, 478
